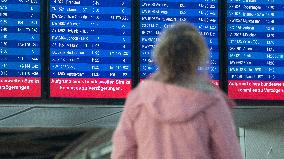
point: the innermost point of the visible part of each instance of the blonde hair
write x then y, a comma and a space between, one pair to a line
179, 52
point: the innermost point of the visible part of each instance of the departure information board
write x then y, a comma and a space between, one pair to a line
20, 68
255, 31
156, 15
90, 48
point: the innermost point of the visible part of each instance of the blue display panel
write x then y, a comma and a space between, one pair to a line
20, 68
255, 31
156, 15
90, 48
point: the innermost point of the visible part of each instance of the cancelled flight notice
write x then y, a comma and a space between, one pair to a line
20, 68
156, 15
90, 48
255, 34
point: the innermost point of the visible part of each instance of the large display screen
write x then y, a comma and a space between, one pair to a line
255, 31
155, 15
90, 48
20, 68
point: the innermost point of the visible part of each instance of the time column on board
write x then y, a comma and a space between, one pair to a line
90, 53
20, 67
207, 23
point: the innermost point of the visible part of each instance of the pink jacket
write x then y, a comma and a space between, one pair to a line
163, 121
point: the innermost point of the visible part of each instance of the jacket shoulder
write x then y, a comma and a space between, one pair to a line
133, 103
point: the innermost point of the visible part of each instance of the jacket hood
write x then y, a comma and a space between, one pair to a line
171, 103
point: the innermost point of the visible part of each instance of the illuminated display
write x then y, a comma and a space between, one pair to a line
156, 15
255, 31
20, 68
90, 48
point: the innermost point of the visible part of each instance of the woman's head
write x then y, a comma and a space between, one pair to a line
179, 52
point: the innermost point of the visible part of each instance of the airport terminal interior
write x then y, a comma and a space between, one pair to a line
66, 67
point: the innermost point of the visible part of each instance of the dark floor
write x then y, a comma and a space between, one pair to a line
36, 143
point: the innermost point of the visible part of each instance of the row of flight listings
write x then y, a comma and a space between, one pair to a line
90, 45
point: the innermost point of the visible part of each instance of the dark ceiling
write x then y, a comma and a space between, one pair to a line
37, 143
